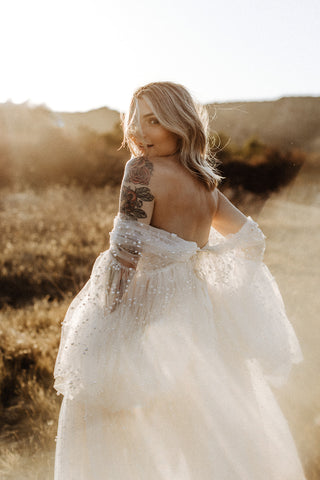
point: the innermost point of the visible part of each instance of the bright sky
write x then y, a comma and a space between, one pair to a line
75, 55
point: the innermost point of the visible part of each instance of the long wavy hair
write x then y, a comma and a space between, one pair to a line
176, 111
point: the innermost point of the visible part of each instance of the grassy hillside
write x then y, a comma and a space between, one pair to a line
288, 123
52, 237
101, 120
22, 120
36, 151
59, 184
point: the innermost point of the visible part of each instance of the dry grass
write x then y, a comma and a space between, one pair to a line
51, 239
58, 197
29, 406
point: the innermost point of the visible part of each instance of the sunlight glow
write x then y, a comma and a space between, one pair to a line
79, 55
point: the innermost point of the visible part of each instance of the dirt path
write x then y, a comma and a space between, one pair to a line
291, 220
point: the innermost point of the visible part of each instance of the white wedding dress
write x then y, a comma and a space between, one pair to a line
166, 365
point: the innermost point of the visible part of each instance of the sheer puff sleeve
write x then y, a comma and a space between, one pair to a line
248, 299
106, 357
80, 367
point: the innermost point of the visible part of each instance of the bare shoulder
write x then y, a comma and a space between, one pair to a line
139, 168
167, 175
136, 198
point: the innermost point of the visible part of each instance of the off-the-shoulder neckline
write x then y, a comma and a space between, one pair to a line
175, 235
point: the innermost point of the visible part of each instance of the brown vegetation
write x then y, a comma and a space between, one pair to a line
58, 197
255, 168
64, 157
51, 240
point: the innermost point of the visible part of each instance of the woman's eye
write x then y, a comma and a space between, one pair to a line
154, 121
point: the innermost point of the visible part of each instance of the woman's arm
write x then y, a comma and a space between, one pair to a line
136, 204
136, 199
227, 218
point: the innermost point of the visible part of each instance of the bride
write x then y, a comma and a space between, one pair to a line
168, 352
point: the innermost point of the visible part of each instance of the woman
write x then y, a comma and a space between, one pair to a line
168, 351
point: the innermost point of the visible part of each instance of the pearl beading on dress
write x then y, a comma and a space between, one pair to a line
143, 295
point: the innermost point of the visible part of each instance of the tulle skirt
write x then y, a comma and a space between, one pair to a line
224, 431
174, 383
166, 370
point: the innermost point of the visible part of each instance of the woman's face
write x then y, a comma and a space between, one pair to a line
154, 140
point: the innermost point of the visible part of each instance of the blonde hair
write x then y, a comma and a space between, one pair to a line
177, 112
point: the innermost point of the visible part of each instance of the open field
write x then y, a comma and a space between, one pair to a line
58, 197
45, 232
62, 226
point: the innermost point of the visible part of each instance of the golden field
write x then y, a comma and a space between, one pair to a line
45, 232
58, 197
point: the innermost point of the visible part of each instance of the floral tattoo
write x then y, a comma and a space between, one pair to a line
140, 171
132, 197
132, 201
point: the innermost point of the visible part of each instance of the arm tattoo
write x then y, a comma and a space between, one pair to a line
132, 197
140, 171
131, 201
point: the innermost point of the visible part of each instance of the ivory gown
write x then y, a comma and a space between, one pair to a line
166, 366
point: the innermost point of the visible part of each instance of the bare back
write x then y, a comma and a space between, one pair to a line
163, 193
182, 205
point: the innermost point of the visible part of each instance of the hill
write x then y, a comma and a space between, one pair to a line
290, 122
101, 120
25, 122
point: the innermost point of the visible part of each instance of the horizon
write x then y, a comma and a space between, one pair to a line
32, 104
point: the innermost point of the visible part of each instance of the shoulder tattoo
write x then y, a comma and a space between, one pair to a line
140, 171
135, 190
